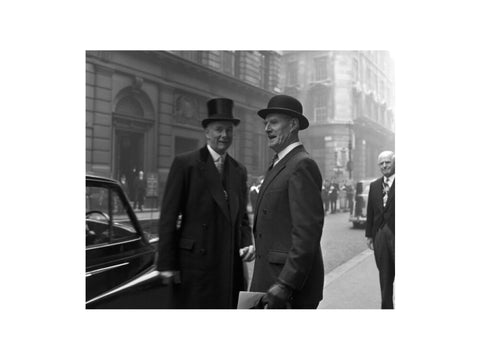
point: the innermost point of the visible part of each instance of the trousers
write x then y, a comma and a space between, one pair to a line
384, 251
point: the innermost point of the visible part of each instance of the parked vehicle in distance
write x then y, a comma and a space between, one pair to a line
359, 215
120, 260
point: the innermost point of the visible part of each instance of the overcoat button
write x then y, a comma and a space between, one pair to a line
202, 250
264, 211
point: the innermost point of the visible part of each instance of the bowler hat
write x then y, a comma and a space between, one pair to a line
220, 109
286, 105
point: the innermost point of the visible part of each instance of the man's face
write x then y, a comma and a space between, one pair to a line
279, 129
386, 162
219, 135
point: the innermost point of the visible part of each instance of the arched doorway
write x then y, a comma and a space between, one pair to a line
134, 135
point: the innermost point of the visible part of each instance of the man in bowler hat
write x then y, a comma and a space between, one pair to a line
204, 228
380, 225
289, 215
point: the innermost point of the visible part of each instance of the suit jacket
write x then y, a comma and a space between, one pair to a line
205, 246
377, 214
288, 227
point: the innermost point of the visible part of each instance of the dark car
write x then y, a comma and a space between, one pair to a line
359, 215
120, 260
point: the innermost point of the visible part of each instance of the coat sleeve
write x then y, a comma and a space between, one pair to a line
245, 229
173, 203
307, 216
369, 223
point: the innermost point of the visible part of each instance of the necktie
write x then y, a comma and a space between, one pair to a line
274, 159
219, 165
386, 188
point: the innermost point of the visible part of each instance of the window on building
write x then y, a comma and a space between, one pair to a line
320, 68
321, 114
194, 56
292, 73
228, 62
368, 78
264, 71
355, 70
368, 107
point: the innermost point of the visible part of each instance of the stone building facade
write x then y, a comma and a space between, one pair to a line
145, 107
348, 96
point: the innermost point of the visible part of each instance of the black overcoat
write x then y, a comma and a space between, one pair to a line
205, 247
288, 227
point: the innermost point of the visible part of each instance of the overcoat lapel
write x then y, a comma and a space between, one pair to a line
213, 180
232, 176
270, 175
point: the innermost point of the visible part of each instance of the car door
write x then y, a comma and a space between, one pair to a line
116, 251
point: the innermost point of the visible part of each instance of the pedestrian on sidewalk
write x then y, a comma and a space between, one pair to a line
289, 215
380, 226
332, 197
325, 197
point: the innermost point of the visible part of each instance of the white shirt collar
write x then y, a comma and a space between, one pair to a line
286, 150
389, 180
214, 154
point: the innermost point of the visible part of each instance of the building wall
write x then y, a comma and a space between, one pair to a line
145, 107
348, 97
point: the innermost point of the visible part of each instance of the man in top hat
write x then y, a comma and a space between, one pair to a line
289, 215
204, 228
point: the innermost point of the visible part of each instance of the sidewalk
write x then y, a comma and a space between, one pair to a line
353, 285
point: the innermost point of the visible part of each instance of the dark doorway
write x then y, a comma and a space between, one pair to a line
129, 155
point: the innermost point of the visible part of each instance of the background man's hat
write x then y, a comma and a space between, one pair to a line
286, 105
220, 109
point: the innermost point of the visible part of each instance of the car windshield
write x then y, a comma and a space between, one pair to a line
107, 217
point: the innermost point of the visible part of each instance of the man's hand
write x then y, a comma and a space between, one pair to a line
277, 296
370, 242
170, 277
247, 253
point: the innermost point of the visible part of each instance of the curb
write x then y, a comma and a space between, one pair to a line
345, 267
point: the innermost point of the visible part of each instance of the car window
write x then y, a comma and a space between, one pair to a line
107, 218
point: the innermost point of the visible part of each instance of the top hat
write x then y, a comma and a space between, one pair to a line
220, 109
286, 105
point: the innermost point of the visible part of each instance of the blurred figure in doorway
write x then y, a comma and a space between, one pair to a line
140, 187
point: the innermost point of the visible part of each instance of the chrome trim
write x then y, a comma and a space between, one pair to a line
153, 240
144, 277
101, 270
111, 244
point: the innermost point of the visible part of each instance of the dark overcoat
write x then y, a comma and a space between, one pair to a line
377, 215
214, 225
288, 227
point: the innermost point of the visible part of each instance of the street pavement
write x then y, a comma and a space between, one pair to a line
351, 276
353, 285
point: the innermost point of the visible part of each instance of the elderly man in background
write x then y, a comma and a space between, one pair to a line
380, 226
